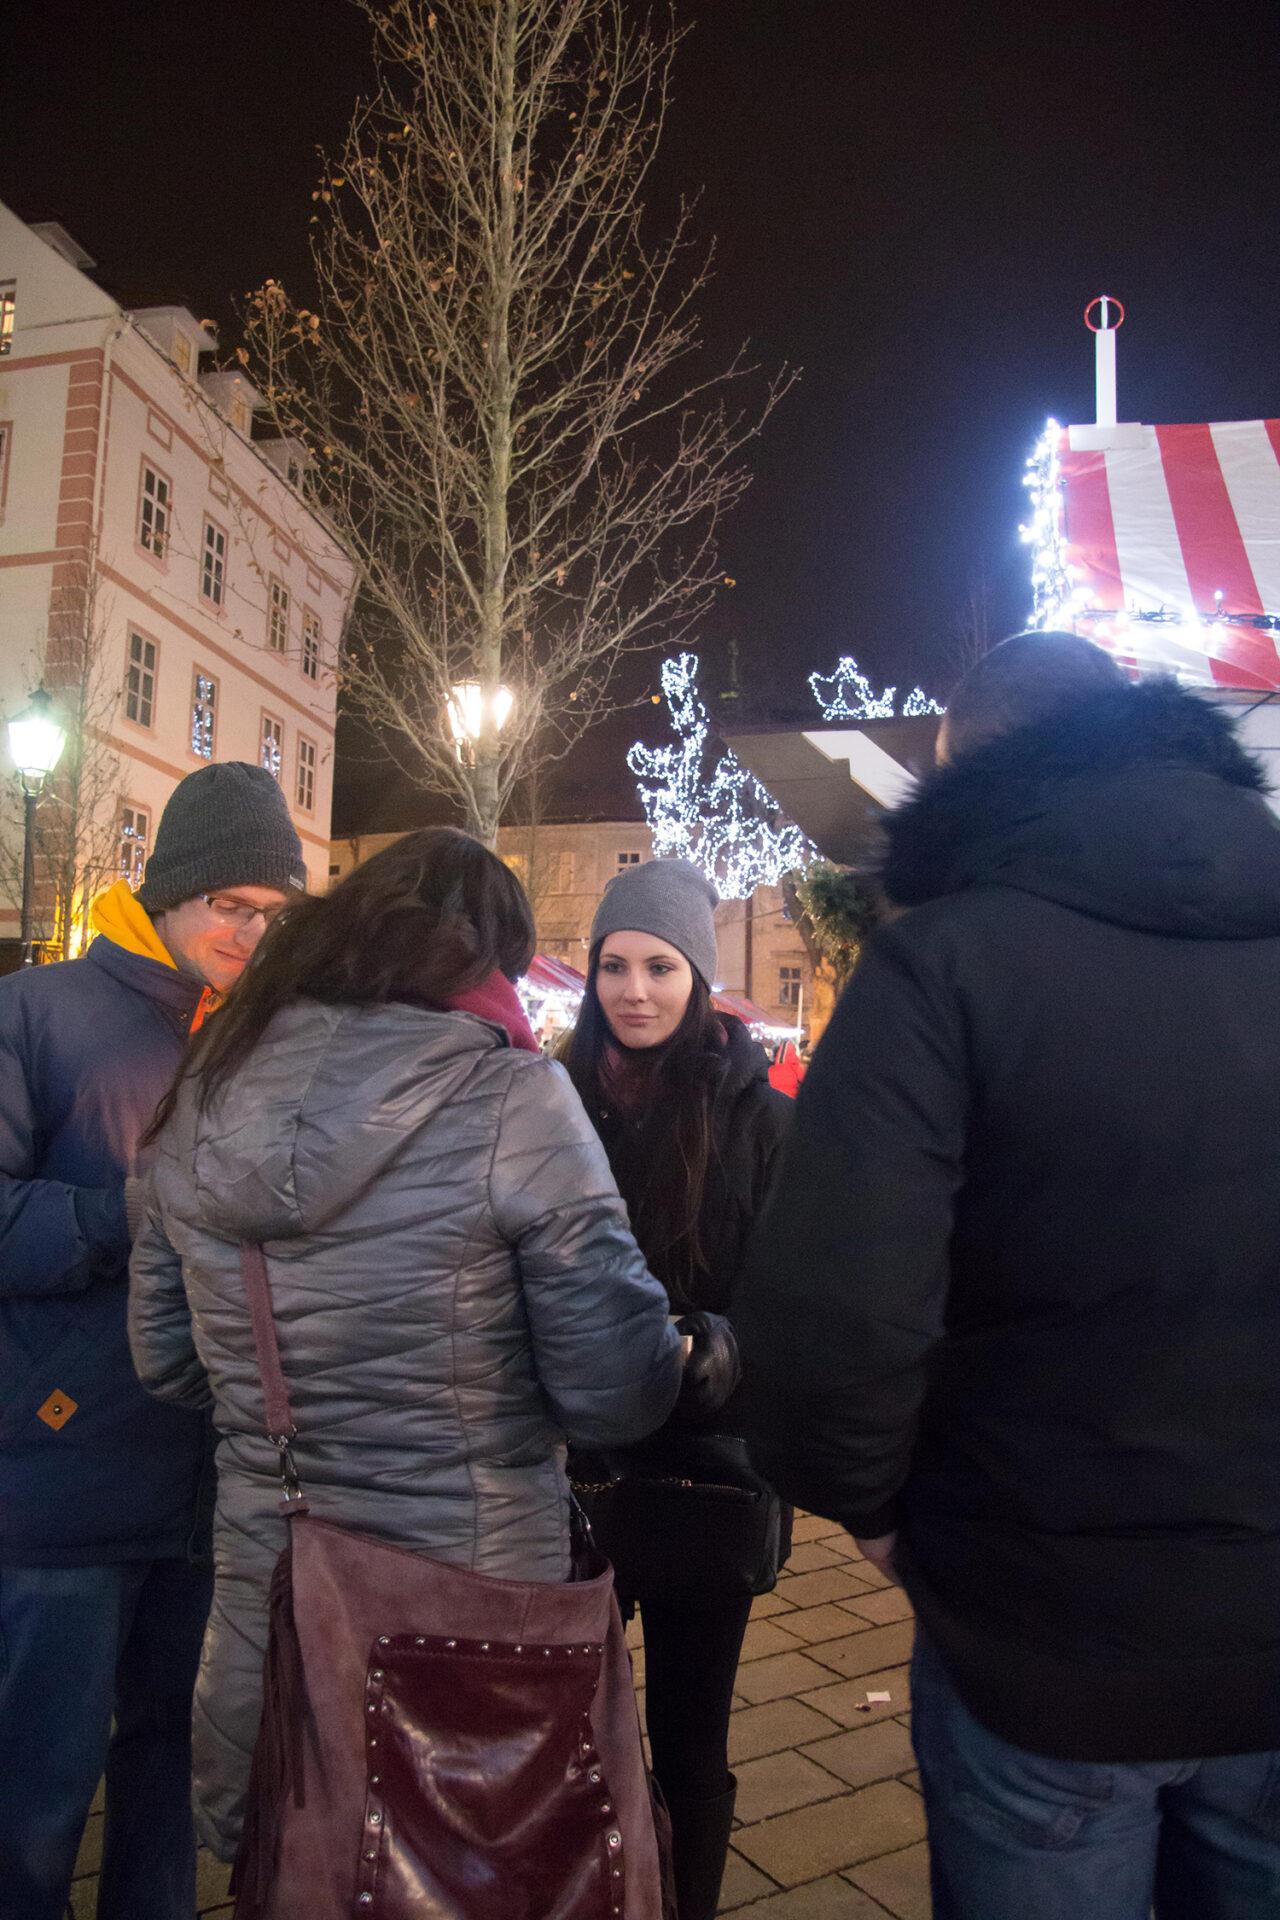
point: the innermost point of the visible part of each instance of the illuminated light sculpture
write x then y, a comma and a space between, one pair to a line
721, 819
847, 694
36, 740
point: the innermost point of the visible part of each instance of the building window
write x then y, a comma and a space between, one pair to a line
153, 518
135, 837
628, 860
788, 986
8, 290
204, 714
272, 753
182, 352
240, 416
311, 644
140, 680
278, 617
304, 792
213, 564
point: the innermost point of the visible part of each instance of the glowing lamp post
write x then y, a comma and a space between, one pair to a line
35, 746
467, 715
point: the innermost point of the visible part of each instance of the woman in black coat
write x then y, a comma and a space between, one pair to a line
681, 1099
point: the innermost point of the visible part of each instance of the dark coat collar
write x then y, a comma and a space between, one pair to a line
1139, 804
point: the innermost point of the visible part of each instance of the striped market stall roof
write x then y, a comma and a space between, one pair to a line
1163, 544
747, 1011
555, 976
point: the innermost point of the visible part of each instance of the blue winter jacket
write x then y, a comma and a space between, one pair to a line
92, 1469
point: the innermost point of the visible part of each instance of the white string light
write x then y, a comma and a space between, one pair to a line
723, 820
847, 694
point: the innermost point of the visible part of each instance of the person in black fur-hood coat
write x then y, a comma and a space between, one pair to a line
1029, 1351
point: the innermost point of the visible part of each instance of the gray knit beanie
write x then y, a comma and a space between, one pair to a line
671, 899
226, 825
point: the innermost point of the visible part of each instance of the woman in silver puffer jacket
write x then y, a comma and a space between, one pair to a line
455, 1286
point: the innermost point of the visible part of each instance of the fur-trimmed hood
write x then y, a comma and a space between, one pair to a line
1137, 805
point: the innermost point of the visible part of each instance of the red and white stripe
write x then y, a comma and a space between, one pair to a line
1167, 520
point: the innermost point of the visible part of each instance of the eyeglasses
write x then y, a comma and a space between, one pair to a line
238, 913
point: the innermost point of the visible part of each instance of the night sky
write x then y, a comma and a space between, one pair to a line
912, 203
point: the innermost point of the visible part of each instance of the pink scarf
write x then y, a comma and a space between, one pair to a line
497, 1000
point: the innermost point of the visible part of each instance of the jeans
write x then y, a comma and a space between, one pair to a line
1018, 1836
79, 1648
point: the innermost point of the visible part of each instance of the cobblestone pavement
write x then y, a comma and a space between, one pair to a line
830, 1822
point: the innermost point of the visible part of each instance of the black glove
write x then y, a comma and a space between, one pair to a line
713, 1368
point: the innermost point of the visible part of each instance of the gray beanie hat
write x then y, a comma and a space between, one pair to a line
226, 825
671, 899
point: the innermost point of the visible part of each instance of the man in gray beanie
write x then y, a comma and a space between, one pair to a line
104, 1582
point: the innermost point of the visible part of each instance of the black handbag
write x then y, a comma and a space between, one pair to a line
685, 1511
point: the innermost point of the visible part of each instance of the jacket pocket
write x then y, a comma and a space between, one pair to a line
29, 1379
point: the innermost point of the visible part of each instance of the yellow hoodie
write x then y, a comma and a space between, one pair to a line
117, 915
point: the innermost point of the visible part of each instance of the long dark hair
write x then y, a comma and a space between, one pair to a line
428, 917
670, 1090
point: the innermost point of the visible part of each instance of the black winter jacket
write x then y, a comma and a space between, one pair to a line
748, 1122
1032, 1210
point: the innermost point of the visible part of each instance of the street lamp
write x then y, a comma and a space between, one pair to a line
35, 746
466, 715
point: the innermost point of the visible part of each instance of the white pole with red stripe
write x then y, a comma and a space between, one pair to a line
1103, 329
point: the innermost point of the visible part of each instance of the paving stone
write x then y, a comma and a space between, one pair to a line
818, 1840
768, 1636
830, 1622
869, 1575
635, 1631
830, 1899
829, 1583
874, 1647
84, 1898
912, 1779
742, 1882
767, 1604
865, 1754
782, 1674
842, 1543
842, 1700
780, 1782
899, 1881
89, 1858
212, 1881
811, 1526
881, 1607
754, 1731
808, 1555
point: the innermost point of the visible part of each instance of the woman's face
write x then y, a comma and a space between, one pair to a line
643, 986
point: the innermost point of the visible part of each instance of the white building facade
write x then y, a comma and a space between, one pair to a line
159, 569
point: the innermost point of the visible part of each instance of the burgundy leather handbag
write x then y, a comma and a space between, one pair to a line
437, 1744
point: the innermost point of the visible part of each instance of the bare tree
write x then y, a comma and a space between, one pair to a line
77, 830
498, 394
971, 635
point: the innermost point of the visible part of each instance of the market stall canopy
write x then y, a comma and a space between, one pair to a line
746, 1010
835, 782
556, 976
1163, 544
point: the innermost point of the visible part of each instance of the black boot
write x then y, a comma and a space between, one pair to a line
700, 1832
